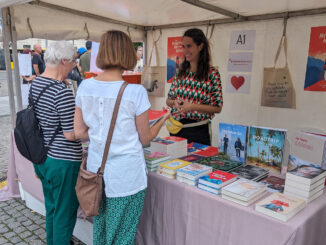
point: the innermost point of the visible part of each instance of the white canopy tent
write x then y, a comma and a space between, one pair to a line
67, 20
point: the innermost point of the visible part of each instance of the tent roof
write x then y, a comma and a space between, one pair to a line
62, 15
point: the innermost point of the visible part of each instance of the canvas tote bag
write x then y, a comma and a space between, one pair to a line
278, 90
153, 78
89, 185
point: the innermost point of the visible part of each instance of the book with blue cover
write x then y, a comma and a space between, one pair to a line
217, 179
194, 171
232, 140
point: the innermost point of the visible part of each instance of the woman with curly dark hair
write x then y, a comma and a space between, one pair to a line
196, 91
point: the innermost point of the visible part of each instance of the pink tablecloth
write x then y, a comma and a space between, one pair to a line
175, 213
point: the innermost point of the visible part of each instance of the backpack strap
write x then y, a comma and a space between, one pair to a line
30, 96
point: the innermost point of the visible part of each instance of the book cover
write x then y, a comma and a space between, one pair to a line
191, 158
309, 147
232, 140
250, 172
265, 148
274, 183
162, 141
156, 157
175, 139
219, 164
303, 171
243, 189
280, 206
193, 169
201, 150
217, 179
174, 164
155, 116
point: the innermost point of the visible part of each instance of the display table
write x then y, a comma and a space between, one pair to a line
177, 214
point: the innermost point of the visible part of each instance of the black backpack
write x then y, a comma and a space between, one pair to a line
28, 133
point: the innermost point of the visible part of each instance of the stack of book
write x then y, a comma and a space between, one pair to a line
174, 146
306, 181
191, 173
154, 159
169, 169
214, 181
220, 164
243, 191
280, 206
251, 172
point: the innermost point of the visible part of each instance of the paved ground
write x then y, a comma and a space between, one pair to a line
18, 224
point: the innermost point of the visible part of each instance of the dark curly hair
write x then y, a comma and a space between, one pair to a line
203, 65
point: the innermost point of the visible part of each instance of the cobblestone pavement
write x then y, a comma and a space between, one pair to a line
18, 224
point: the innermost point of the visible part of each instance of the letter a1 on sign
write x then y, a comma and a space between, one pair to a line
243, 40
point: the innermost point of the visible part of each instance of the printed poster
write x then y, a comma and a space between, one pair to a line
316, 65
240, 62
25, 64
238, 83
243, 40
93, 67
174, 57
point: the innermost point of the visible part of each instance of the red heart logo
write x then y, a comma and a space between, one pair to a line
237, 82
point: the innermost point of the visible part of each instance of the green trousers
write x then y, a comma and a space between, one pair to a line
58, 179
118, 219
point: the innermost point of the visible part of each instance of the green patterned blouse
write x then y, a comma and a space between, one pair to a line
191, 90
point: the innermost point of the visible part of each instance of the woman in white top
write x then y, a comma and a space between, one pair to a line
125, 177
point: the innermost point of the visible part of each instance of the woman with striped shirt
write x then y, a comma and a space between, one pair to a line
55, 112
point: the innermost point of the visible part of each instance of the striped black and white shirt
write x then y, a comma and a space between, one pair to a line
56, 106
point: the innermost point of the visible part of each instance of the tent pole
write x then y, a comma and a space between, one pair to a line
16, 64
6, 41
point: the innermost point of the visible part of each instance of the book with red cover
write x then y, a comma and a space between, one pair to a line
154, 116
202, 150
217, 179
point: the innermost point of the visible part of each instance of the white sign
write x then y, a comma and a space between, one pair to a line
243, 40
238, 83
240, 62
25, 64
25, 92
93, 67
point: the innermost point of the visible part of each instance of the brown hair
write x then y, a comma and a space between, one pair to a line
116, 51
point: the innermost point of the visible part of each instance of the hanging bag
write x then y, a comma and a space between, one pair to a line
278, 90
153, 77
89, 185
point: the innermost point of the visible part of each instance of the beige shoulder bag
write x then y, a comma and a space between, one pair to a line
89, 185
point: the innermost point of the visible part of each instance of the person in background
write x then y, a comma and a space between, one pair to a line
28, 79
238, 147
37, 61
140, 63
196, 91
80, 52
225, 144
85, 59
75, 74
55, 113
125, 179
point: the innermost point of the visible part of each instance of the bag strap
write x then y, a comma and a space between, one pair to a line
156, 49
30, 96
110, 134
283, 43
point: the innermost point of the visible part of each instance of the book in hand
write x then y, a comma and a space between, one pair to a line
274, 183
193, 171
251, 172
155, 116
220, 164
304, 172
201, 150
243, 189
280, 206
171, 167
217, 179
232, 140
265, 148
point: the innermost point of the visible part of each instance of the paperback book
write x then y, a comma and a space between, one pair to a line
232, 140
265, 148
280, 206
171, 167
191, 158
243, 189
220, 164
209, 189
217, 179
156, 157
274, 183
173, 146
251, 172
201, 150
155, 116
193, 171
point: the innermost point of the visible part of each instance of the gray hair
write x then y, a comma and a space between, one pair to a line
57, 51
